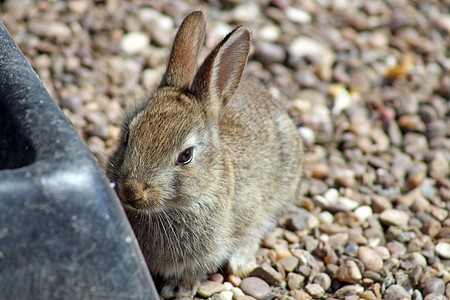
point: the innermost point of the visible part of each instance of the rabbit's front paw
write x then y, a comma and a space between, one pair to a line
242, 261
176, 289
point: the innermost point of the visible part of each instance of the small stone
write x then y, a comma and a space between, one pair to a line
411, 123
291, 237
50, 29
394, 217
305, 46
380, 204
345, 178
297, 16
247, 13
383, 252
368, 295
348, 219
294, 281
416, 295
431, 228
443, 249
281, 251
255, 287
225, 295
134, 42
370, 258
414, 259
364, 212
270, 239
395, 292
326, 217
269, 53
435, 296
309, 138
234, 279
348, 290
300, 295
315, 290
216, 277
297, 220
349, 272
374, 276
268, 274
289, 263
415, 177
415, 274
435, 285
438, 212
209, 288
323, 279
244, 297
436, 129
318, 170
269, 33
439, 166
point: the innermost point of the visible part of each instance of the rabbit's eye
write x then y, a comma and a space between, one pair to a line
185, 157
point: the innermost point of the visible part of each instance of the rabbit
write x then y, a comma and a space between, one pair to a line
206, 166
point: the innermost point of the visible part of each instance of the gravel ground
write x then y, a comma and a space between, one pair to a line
367, 82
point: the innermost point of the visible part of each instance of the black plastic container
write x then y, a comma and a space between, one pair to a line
63, 232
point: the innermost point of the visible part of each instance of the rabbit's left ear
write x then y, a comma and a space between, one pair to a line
220, 74
185, 51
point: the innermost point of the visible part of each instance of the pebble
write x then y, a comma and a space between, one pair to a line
364, 212
255, 287
435, 296
237, 292
209, 288
296, 15
348, 290
134, 42
305, 46
294, 281
370, 258
395, 292
298, 219
323, 279
315, 290
394, 217
434, 286
225, 295
50, 29
439, 166
269, 53
414, 259
300, 295
289, 263
268, 274
269, 32
349, 272
246, 13
443, 249
234, 279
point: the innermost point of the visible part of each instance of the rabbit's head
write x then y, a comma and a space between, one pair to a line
171, 153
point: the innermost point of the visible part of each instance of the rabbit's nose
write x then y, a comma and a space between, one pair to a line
132, 192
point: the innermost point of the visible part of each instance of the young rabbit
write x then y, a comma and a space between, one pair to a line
207, 165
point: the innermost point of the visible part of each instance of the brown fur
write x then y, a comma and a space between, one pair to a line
245, 171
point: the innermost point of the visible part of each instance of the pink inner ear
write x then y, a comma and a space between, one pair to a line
230, 65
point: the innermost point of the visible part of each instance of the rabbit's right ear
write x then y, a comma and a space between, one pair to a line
185, 51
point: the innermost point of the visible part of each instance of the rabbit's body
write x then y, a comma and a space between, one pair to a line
206, 167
